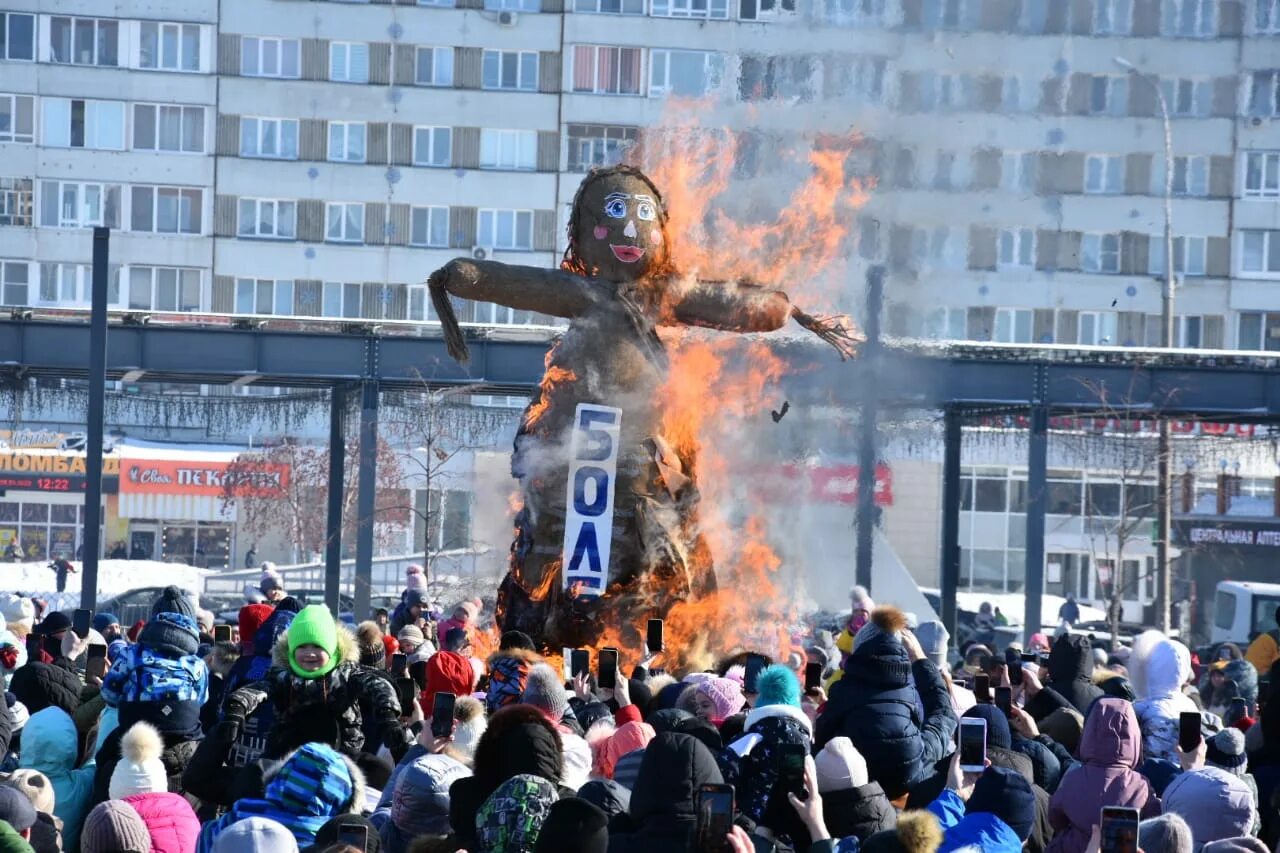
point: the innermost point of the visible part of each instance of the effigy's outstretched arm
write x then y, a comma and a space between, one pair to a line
741, 307
553, 292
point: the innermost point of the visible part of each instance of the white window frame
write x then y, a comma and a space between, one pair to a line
1270, 79
940, 323
97, 25
172, 55
286, 52
10, 282
82, 216
1018, 171
158, 280
14, 101
1190, 255
508, 150
715, 10
348, 142
339, 213
527, 6
186, 114
91, 109
1195, 176
1269, 239
342, 291
1106, 325
660, 71
431, 216
1172, 13
773, 10
602, 149
73, 285
428, 137
1009, 322
348, 62
488, 223
624, 7
1113, 17
1268, 172
1101, 252
281, 216
439, 60
1183, 326
522, 70
261, 123
591, 53
251, 294
1104, 174
1197, 94
188, 198
1116, 92
6, 48
1016, 248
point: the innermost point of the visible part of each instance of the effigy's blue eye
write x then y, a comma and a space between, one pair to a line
646, 212
616, 208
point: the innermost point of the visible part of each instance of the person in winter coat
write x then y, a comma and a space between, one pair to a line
1159, 667
1110, 751
1214, 803
1265, 648
1225, 750
663, 813
852, 804
464, 617
545, 691
310, 786
414, 602
511, 819
51, 746
574, 826
447, 672
40, 685
509, 669
260, 628
315, 685
419, 802
114, 826
46, 832
624, 739
997, 818
876, 706
140, 779
1070, 681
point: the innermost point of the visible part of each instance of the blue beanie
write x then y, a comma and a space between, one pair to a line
1007, 795
102, 620
777, 685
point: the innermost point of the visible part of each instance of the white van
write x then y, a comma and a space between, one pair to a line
1242, 610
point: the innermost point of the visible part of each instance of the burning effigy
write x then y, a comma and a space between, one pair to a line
608, 530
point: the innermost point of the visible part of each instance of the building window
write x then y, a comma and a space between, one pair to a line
1104, 173
1189, 18
610, 7
169, 47
73, 204
763, 10
341, 299
1188, 98
1188, 255
851, 13
1267, 16
1264, 93
762, 78
1100, 253
17, 36
607, 70
506, 229
1018, 95
510, 69
344, 222
593, 145
1188, 331
1261, 171
508, 149
16, 201
273, 138
164, 289
72, 284
1108, 95
513, 5
714, 9
443, 4
1017, 248
166, 210
1113, 17
433, 146
17, 118
269, 57
1018, 171
168, 127
1260, 252
947, 324
348, 62
685, 73
75, 123
1190, 176
267, 217
1259, 331
429, 226
346, 141
435, 66
14, 279
264, 296
1097, 328
84, 41
1013, 326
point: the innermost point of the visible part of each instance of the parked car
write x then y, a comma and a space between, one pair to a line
133, 604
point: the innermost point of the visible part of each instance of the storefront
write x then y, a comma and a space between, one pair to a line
42, 484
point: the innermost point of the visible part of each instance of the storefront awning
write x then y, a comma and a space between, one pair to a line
175, 507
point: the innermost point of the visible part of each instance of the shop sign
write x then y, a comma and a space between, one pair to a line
52, 472
839, 483
212, 479
1231, 534
47, 439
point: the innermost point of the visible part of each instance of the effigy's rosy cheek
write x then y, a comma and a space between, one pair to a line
655, 236
601, 232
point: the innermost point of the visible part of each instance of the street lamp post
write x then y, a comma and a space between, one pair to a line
1164, 515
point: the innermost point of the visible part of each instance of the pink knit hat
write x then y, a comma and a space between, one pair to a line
725, 694
415, 579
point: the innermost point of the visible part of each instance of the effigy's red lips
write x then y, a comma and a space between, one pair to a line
627, 254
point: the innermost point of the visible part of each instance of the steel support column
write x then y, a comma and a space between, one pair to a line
333, 519
92, 542
1037, 503
868, 450
951, 485
365, 503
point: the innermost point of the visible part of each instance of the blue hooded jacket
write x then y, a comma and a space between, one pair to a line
50, 744
980, 831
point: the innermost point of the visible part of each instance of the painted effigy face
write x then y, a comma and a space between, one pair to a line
620, 233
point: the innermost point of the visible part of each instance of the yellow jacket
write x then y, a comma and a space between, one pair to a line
1263, 652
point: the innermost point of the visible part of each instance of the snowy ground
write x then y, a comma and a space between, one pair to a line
114, 577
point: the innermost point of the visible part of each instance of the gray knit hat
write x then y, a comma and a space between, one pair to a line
1226, 751
544, 691
934, 640
112, 827
1168, 833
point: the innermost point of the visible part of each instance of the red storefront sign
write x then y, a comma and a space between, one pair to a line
839, 483
213, 479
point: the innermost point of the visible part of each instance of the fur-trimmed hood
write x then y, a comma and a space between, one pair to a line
785, 712
528, 656
348, 649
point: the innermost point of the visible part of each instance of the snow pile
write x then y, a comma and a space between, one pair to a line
114, 577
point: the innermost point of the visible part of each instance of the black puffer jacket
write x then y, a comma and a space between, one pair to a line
875, 706
1070, 677
663, 813
860, 812
41, 685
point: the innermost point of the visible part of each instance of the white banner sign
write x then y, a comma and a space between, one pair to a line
593, 468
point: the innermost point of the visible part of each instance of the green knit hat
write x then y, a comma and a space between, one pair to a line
313, 626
